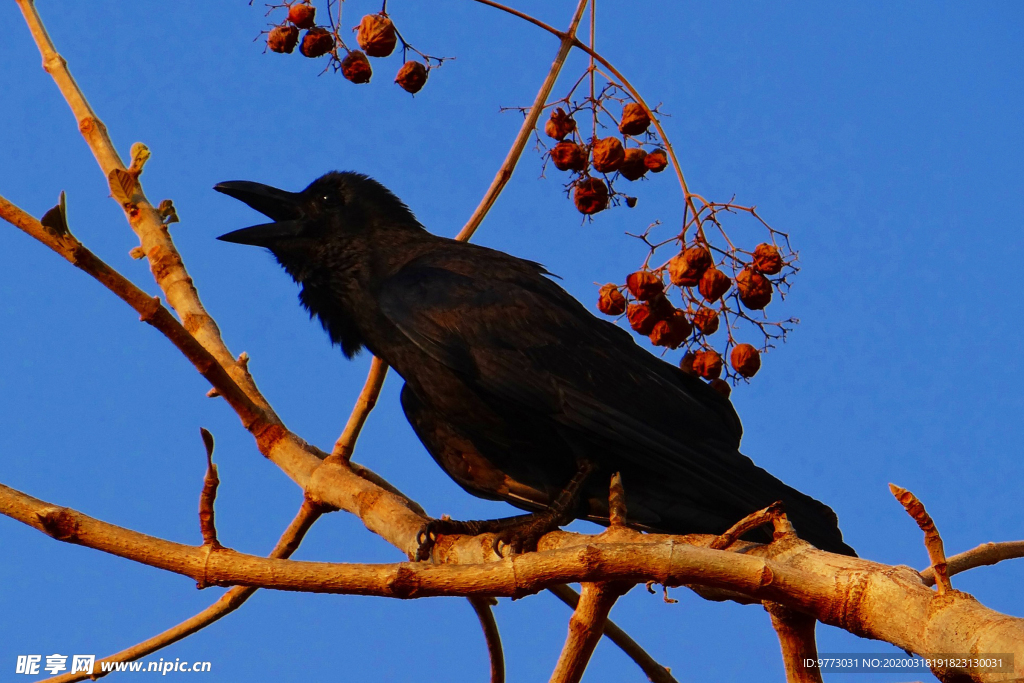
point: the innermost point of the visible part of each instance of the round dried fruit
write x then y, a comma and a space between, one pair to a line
356, 67
640, 318
672, 331
283, 39
412, 77
610, 300
376, 35
568, 156
590, 196
631, 202
767, 259
559, 124
755, 289
686, 268
644, 285
686, 363
316, 43
634, 119
708, 364
656, 161
713, 284
608, 155
721, 386
745, 360
302, 15
632, 167
706, 320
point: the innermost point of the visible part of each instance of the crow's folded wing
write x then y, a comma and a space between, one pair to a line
513, 335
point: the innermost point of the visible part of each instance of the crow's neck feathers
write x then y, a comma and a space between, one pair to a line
356, 234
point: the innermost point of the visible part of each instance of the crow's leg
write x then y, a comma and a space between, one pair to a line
519, 533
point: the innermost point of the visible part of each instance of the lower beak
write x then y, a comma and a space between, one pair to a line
281, 206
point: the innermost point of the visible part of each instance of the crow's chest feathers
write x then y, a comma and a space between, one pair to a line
339, 324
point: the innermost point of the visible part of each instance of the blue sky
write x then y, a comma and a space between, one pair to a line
885, 138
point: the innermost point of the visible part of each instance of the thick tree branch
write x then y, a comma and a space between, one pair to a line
854, 594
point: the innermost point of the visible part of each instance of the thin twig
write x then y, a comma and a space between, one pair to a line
208, 497
984, 554
526, 130
229, 602
616, 502
482, 607
932, 540
748, 523
654, 671
346, 443
796, 637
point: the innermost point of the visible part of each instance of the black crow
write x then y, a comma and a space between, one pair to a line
518, 392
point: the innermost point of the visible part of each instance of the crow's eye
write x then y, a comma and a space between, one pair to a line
331, 197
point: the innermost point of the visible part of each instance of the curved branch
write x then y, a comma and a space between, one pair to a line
482, 607
505, 172
229, 602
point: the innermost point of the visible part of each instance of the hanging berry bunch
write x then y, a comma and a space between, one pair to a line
596, 160
705, 295
376, 36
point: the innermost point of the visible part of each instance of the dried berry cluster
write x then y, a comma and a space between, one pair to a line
606, 155
376, 36
714, 286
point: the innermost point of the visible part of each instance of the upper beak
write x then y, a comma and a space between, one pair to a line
283, 207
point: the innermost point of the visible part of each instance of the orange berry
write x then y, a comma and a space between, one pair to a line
745, 360
610, 300
634, 119
376, 35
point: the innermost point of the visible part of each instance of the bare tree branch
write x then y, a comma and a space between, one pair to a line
932, 540
796, 637
229, 602
654, 671
585, 628
482, 607
852, 593
984, 554
526, 130
346, 443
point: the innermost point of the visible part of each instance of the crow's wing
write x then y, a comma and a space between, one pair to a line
512, 334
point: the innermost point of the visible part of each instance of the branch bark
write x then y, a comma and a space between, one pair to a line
852, 593
796, 638
229, 602
585, 628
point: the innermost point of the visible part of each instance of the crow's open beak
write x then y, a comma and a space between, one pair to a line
281, 206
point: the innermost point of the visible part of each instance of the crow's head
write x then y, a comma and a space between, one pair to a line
332, 238
337, 209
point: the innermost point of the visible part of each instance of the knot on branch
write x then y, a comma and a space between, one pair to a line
59, 523
163, 262
267, 436
403, 584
